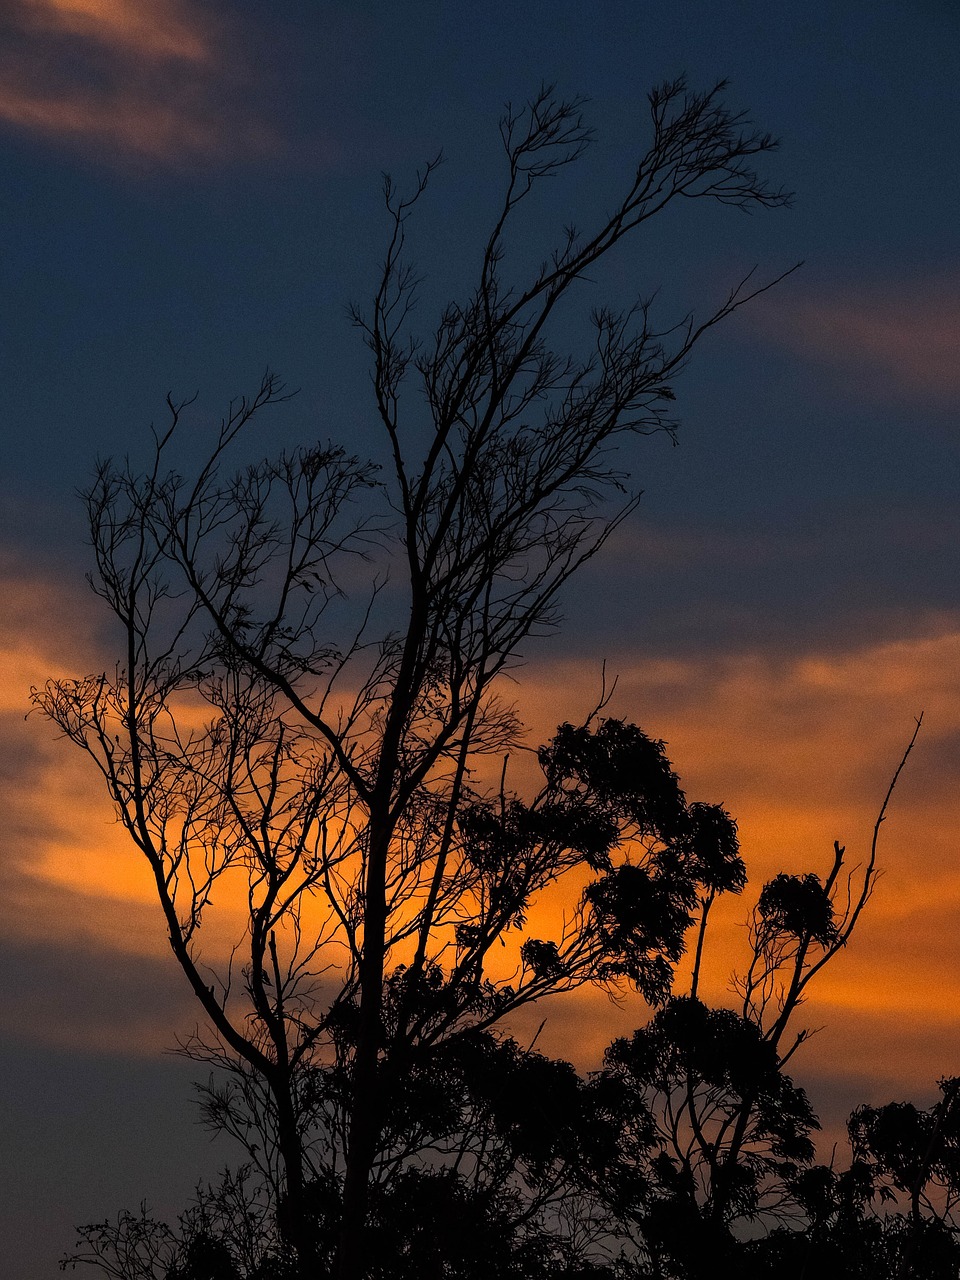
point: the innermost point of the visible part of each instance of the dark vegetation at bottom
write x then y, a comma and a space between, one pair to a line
689, 1154
577, 1182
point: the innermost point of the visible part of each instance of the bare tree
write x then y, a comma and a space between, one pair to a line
264, 746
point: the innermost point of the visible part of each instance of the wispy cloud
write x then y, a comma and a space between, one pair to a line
800, 748
903, 338
77, 996
57, 836
158, 29
154, 81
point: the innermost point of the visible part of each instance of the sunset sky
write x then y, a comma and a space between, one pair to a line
191, 193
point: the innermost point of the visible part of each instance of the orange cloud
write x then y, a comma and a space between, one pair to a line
800, 749
156, 29
58, 841
903, 339
127, 123
136, 80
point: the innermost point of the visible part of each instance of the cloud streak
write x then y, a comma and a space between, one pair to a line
902, 339
77, 996
162, 29
799, 747
134, 80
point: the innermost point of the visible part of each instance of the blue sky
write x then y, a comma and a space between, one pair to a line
191, 193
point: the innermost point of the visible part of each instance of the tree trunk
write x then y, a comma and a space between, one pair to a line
364, 1114
292, 1218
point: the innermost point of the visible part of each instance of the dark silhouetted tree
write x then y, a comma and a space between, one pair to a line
733, 1131
278, 736
496, 1161
900, 1155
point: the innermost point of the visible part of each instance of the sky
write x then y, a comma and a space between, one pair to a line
191, 193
